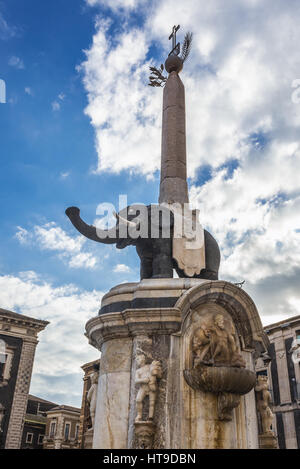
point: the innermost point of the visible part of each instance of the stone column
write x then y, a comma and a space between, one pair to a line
59, 435
173, 184
18, 410
111, 420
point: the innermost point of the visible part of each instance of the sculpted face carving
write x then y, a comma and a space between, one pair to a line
146, 378
214, 341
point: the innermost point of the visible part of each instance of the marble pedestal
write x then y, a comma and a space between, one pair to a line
155, 318
268, 441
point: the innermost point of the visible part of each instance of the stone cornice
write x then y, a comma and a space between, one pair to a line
132, 322
11, 318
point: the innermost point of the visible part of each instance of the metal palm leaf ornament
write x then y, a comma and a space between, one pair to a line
156, 77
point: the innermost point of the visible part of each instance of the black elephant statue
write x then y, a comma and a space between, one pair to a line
152, 236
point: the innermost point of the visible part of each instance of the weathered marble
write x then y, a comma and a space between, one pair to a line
111, 421
183, 417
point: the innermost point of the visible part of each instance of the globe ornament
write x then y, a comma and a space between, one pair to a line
174, 64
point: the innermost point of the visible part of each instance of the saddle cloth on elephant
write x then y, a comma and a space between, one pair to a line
188, 240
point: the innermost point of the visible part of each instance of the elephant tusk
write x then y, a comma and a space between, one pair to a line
126, 222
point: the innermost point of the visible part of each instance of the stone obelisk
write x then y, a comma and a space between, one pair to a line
173, 182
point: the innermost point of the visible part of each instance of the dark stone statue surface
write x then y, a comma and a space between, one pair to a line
155, 253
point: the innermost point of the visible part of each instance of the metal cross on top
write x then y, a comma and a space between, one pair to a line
175, 47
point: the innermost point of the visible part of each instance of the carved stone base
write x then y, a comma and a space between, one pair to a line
144, 432
268, 441
159, 318
226, 403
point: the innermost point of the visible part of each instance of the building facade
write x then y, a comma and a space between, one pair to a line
35, 422
282, 366
18, 341
285, 377
62, 428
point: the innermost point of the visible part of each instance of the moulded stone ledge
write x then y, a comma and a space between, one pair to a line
130, 323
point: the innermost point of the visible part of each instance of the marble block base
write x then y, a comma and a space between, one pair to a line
268, 441
154, 318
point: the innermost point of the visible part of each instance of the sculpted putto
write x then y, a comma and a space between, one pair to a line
263, 403
146, 377
214, 343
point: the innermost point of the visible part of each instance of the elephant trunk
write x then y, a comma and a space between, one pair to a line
89, 231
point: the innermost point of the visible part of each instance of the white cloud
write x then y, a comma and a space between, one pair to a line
83, 259
122, 268
238, 92
6, 31
51, 237
28, 90
62, 348
241, 124
64, 175
116, 4
16, 62
55, 106
22, 235
123, 110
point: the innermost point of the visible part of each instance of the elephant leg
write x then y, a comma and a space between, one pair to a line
146, 268
180, 272
145, 253
162, 258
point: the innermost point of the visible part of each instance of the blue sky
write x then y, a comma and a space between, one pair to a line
81, 126
48, 153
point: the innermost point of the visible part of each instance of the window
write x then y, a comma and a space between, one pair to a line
77, 431
29, 438
2, 366
41, 439
67, 431
52, 429
6, 358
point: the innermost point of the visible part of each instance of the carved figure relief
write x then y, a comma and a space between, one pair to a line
146, 377
264, 403
214, 342
213, 362
92, 396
